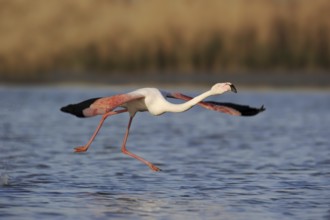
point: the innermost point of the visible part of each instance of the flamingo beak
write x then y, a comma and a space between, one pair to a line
233, 88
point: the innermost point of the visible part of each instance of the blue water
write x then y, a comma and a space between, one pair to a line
275, 165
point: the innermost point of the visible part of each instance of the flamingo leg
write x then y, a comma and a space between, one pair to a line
85, 147
125, 151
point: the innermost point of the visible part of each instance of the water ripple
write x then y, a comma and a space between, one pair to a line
271, 166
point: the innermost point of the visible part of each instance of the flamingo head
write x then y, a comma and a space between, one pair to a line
220, 88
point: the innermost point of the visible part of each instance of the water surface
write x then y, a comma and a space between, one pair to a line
272, 166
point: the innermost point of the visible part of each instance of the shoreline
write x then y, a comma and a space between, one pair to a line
256, 81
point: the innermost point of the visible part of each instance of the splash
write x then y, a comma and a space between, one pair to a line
4, 179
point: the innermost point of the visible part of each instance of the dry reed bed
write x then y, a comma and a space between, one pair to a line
185, 35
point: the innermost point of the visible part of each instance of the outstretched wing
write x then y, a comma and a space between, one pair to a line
225, 107
100, 106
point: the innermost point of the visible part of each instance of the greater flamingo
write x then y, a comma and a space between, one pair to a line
153, 101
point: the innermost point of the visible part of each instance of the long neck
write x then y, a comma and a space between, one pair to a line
170, 107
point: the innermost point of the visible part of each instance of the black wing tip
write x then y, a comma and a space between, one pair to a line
66, 109
77, 109
72, 109
249, 111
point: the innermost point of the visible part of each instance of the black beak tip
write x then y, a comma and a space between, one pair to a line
233, 88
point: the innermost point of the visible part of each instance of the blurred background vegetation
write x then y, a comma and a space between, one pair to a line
42, 39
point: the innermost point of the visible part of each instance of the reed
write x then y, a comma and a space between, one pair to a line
186, 35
